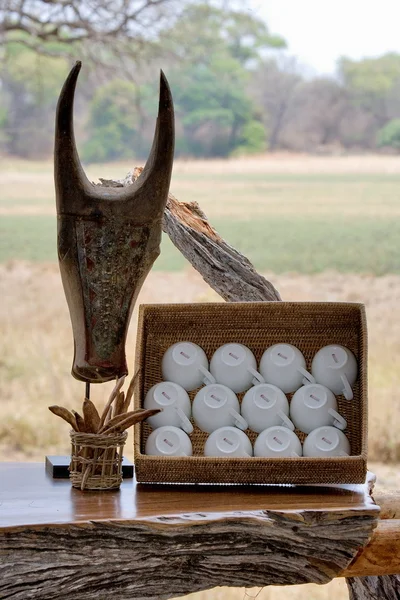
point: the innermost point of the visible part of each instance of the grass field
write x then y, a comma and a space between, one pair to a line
320, 229
285, 222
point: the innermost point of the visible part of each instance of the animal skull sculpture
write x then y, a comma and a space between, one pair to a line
108, 239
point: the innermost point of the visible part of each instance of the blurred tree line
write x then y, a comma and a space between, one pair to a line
235, 90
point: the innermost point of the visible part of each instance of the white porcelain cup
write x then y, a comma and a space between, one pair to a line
277, 442
265, 405
326, 441
175, 404
235, 366
313, 406
217, 406
335, 367
228, 442
284, 365
168, 441
186, 364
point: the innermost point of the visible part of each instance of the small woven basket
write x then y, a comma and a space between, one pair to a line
96, 460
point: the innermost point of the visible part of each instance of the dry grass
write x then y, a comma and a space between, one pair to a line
37, 349
336, 590
279, 162
28, 186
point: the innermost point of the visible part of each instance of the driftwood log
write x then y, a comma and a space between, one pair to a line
225, 269
157, 542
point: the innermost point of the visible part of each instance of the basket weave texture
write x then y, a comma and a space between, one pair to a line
309, 326
96, 460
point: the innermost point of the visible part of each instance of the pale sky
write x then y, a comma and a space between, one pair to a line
320, 31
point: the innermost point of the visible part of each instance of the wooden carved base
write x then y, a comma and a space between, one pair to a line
167, 557
165, 541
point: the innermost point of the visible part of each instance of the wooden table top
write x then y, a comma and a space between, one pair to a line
29, 497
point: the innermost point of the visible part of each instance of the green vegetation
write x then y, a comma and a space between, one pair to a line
297, 223
278, 244
302, 244
372, 82
30, 85
113, 121
28, 237
235, 92
211, 85
205, 52
389, 135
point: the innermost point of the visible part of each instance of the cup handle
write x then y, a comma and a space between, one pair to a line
257, 377
208, 378
247, 455
185, 423
343, 453
181, 453
339, 422
347, 391
286, 422
294, 455
308, 378
238, 419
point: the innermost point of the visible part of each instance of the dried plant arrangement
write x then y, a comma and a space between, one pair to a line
98, 439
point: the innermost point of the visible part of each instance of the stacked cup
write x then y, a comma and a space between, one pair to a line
265, 407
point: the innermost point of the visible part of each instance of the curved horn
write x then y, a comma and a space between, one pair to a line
153, 184
150, 191
70, 178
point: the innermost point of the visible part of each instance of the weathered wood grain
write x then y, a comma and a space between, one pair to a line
223, 267
167, 556
389, 502
374, 588
381, 556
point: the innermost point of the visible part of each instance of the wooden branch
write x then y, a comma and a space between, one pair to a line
373, 574
225, 269
117, 22
389, 502
374, 588
167, 557
381, 556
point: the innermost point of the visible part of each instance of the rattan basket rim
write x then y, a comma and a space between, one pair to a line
252, 459
196, 307
235, 305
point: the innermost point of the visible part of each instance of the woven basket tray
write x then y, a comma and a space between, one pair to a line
309, 326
